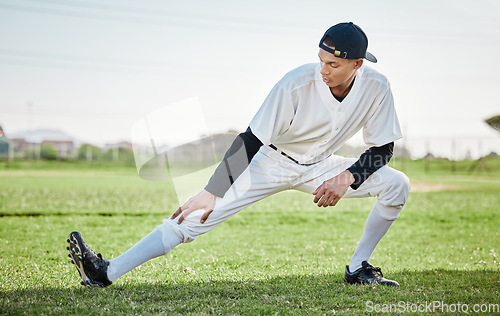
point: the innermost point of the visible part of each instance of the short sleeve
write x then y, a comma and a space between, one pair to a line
274, 116
383, 127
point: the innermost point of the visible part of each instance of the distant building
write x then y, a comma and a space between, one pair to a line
125, 145
4, 147
27, 144
65, 148
20, 146
4, 144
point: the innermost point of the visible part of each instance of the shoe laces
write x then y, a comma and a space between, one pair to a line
375, 269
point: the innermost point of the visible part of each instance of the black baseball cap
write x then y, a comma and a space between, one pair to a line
350, 42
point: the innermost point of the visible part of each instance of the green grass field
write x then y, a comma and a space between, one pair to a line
282, 255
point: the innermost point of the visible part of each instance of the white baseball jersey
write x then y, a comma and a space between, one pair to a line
302, 118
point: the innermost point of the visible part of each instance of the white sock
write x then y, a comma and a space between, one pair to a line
159, 242
375, 228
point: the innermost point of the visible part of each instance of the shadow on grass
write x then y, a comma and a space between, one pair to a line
269, 295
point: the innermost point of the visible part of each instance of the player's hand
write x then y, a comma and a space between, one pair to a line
204, 200
332, 190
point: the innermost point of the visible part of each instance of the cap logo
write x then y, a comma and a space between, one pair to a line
335, 52
338, 53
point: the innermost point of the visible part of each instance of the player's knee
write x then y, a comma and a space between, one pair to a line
397, 189
403, 186
390, 213
191, 227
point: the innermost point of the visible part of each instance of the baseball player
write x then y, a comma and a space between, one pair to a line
290, 144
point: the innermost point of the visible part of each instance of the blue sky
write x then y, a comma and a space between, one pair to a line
94, 68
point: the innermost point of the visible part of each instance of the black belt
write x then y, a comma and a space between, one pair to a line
291, 158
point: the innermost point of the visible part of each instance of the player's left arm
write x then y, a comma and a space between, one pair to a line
332, 190
370, 161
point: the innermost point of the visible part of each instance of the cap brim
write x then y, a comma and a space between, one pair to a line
370, 57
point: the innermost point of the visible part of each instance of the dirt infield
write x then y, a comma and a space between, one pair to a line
432, 187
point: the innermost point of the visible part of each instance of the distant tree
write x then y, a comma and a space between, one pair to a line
120, 154
110, 154
89, 152
127, 155
494, 122
48, 152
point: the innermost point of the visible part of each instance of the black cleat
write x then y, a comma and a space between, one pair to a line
367, 274
92, 268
